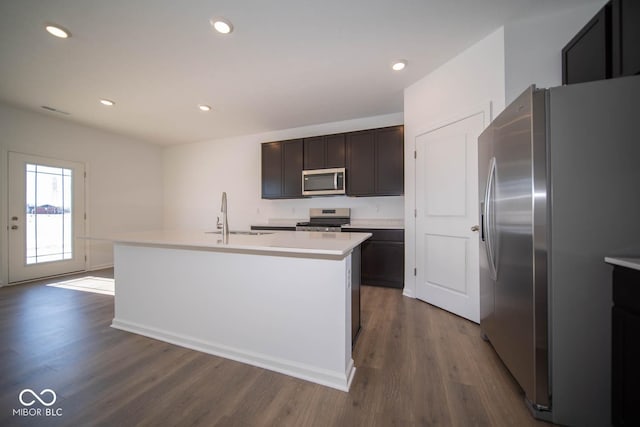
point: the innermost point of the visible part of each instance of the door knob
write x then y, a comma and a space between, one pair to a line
14, 218
475, 228
14, 227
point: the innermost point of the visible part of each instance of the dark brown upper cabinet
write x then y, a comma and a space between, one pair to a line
606, 47
375, 162
282, 169
321, 152
361, 163
390, 161
625, 24
587, 57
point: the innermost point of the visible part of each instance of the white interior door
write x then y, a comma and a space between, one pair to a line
446, 215
46, 216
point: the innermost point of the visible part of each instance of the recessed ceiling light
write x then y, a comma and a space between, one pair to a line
58, 31
107, 102
221, 25
399, 65
204, 107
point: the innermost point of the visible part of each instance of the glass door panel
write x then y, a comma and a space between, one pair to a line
49, 213
46, 204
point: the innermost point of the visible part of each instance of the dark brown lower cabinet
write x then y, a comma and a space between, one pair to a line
625, 361
382, 258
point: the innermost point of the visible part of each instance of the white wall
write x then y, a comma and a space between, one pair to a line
197, 174
533, 47
124, 176
468, 83
493, 71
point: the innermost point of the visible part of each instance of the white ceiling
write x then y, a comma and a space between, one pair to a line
288, 63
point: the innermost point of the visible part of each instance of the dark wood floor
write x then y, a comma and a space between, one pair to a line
416, 365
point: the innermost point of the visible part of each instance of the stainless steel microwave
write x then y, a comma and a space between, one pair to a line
321, 182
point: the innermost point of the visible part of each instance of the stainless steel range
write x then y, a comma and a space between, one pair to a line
326, 220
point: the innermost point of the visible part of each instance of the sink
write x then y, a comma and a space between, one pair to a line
244, 233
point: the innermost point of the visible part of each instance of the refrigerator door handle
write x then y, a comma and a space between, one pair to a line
487, 218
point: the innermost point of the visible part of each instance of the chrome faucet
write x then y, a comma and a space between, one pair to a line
224, 224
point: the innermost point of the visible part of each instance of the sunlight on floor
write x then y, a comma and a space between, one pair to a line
97, 285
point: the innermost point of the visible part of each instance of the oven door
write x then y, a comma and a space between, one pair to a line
323, 182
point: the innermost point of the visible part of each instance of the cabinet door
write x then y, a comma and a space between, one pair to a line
271, 170
390, 161
625, 368
335, 151
361, 163
382, 257
292, 169
626, 37
587, 57
383, 263
322, 152
314, 152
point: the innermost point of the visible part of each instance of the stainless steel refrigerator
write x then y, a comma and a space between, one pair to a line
559, 187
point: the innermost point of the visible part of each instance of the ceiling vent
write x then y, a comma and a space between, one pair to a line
54, 110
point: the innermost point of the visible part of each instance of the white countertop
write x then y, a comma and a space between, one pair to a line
313, 244
633, 263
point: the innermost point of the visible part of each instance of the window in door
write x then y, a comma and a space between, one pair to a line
48, 213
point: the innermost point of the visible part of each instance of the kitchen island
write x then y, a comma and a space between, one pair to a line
281, 301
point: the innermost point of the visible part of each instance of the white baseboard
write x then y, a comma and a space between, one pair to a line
99, 267
338, 380
408, 292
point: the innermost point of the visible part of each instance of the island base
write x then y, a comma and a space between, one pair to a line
287, 314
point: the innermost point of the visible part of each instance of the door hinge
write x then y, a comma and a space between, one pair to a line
85, 258
415, 271
415, 213
85, 216
415, 154
85, 174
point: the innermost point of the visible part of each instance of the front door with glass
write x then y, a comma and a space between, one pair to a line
46, 216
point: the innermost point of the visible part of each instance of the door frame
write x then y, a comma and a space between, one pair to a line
487, 109
5, 193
